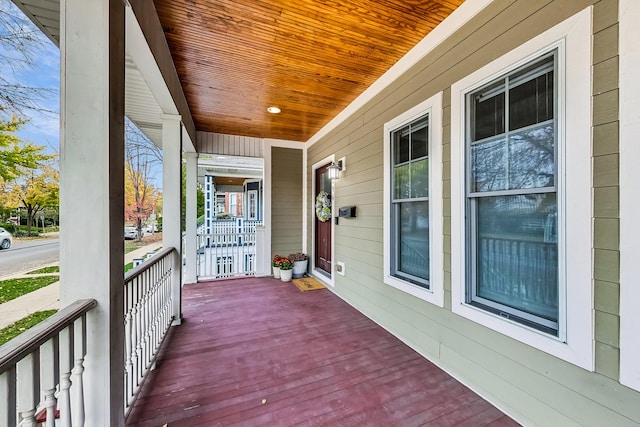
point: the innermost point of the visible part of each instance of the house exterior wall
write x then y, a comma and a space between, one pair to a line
530, 385
286, 201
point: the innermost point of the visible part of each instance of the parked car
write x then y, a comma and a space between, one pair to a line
130, 233
6, 239
152, 227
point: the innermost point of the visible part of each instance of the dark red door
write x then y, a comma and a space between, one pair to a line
323, 228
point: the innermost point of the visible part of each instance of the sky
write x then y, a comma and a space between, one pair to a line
44, 128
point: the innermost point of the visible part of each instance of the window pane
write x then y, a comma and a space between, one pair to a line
531, 94
420, 178
489, 166
531, 157
401, 146
401, 181
488, 113
517, 253
413, 239
419, 139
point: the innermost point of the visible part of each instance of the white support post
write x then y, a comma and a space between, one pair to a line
262, 267
92, 61
171, 202
191, 220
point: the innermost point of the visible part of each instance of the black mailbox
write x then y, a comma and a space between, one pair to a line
347, 212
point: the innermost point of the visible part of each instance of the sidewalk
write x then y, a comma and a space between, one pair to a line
47, 298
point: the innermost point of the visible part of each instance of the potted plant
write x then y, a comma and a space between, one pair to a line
286, 269
275, 263
300, 262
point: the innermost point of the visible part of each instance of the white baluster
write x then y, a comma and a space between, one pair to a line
48, 377
8, 397
77, 416
50, 407
64, 401
128, 365
28, 389
77, 390
66, 344
134, 338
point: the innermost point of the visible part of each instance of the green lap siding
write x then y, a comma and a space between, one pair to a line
534, 387
286, 201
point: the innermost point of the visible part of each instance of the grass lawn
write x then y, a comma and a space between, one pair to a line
50, 269
13, 288
128, 267
132, 245
22, 325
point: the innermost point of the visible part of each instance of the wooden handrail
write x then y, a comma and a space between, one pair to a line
25, 343
135, 272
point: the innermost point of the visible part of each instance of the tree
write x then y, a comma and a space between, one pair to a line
141, 155
35, 190
17, 156
21, 44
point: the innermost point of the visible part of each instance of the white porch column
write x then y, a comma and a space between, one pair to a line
92, 192
191, 220
171, 202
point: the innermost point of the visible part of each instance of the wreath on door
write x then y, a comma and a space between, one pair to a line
323, 206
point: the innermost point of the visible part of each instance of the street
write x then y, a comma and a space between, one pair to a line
28, 254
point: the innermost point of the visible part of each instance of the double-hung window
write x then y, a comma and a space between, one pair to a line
413, 245
511, 195
521, 213
410, 202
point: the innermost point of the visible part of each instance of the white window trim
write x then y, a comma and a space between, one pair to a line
629, 11
572, 37
434, 295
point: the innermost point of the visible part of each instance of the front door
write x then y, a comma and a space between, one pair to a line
323, 228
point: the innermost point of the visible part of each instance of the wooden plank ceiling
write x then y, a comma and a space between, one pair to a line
310, 58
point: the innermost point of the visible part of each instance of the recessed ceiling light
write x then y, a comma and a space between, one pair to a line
273, 110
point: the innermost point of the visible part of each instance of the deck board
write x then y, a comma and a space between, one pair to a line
257, 351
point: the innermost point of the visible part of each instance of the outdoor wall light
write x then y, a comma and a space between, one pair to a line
334, 170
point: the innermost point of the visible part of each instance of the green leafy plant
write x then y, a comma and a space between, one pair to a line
285, 264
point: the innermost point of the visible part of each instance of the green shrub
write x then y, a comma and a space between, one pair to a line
9, 227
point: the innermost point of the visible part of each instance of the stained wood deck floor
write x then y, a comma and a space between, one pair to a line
258, 352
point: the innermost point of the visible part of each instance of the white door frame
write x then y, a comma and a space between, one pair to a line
328, 280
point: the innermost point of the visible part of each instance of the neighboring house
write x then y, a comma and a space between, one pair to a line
495, 179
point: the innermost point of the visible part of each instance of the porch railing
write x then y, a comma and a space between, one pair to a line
42, 369
147, 318
229, 251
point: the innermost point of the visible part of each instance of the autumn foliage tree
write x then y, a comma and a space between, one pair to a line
16, 156
34, 190
141, 155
